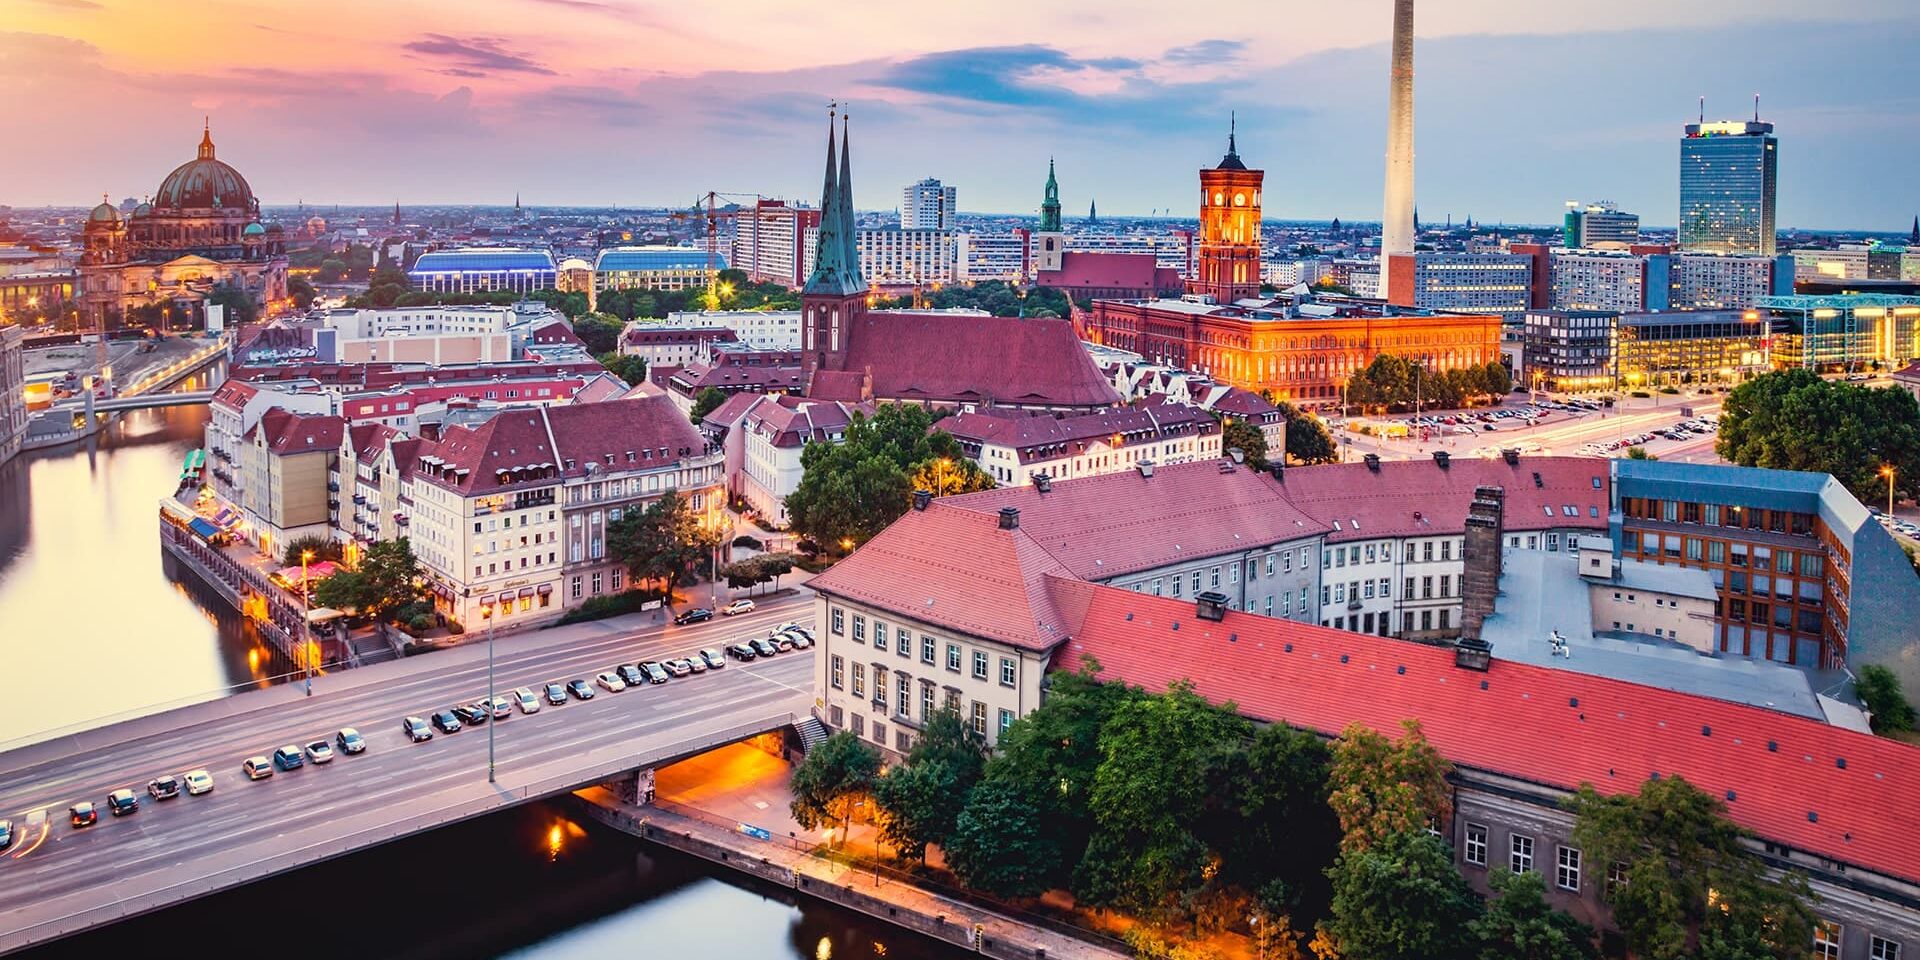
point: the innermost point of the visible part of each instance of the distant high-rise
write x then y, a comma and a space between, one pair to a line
927, 205
1599, 225
1727, 173
1396, 223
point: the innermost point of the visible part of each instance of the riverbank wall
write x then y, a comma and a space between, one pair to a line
903, 904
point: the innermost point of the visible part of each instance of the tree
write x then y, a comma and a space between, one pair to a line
241, 307
924, 796
1248, 438
332, 271
345, 590
1679, 850
1162, 782
1003, 842
835, 773
1880, 690
1400, 897
322, 548
301, 291
572, 303
630, 369
853, 489
1307, 438
1379, 788
1282, 835
1497, 378
392, 577
1520, 925
663, 542
706, 401
1773, 421
947, 476
1640, 453
599, 332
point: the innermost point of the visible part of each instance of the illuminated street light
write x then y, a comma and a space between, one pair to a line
1887, 471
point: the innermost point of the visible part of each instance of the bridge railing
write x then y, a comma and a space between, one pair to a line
424, 814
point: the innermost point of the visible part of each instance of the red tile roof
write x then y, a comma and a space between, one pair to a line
1407, 498
1121, 523
291, 433
1047, 438
849, 386
972, 359
1137, 273
793, 421
561, 441
234, 394
1780, 775
955, 567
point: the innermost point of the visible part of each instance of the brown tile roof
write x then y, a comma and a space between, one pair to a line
970, 359
1413, 497
290, 433
1046, 438
553, 443
790, 421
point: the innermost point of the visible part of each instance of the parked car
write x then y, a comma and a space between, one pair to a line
693, 615
164, 787
470, 714
556, 693
654, 672
319, 751
289, 757
714, 659
6, 834
738, 607
258, 768
611, 681
502, 707
199, 782
416, 729
696, 663
632, 674
83, 814
678, 668
742, 651
123, 802
350, 740
529, 703
446, 721
781, 641
763, 647
580, 689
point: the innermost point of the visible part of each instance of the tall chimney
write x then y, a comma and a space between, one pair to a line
1396, 222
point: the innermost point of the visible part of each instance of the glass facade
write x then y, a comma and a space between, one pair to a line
1727, 173
1707, 346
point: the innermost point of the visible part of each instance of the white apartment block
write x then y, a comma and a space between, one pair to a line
990, 256
1714, 281
760, 329
898, 258
1598, 280
927, 205
769, 240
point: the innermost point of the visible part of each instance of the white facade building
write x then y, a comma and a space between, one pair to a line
990, 256
927, 205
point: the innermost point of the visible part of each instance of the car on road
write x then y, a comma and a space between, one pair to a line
580, 689
632, 674
319, 752
763, 647
502, 707
693, 615
123, 802
289, 757
350, 741
164, 787
6, 834
556, 693
742, 651
83, 814
470, 714
258, 768
696, 663
446, 721
798, 631
714, 659
416, 729
781, 641
198, 782
677, 668
738, 607
529, 703
610, 681
653, 671
797, 639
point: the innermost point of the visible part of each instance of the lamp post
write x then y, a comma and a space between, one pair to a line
306, 638
1887, 471
941, 474
486, 613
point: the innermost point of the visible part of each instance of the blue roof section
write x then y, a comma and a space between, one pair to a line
482, 259
656, 258
1795, 490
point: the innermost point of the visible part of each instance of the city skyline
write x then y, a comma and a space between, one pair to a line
540, 98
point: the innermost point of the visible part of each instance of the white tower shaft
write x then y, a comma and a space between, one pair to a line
1396, 224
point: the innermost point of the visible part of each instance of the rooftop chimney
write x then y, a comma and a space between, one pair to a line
1238, 455
1373, 462
1009, 518
1511, 455
1473, 653
1211, 605
1442, 458
1145, 467
1042, 483
921, 498
1278, 468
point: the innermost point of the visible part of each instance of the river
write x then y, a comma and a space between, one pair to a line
96, 628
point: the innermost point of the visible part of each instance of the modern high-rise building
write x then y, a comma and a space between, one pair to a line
927, 205
1396, 224
769, 242
1481, 283
1600, 225
1727, 174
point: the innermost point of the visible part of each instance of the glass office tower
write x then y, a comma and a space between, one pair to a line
1727, 174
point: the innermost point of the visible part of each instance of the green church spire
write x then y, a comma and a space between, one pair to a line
1050, 207
836, 266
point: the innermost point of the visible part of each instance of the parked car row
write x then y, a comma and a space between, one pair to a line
788, 636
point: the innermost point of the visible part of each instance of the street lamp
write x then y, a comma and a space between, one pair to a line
306, 638
486, 613
943, 464
1887, 471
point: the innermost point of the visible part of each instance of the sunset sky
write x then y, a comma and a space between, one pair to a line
1522, 104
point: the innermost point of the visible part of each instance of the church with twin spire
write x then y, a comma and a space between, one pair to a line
853, 353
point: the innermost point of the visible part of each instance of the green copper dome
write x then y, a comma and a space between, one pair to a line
203, 182
104, 213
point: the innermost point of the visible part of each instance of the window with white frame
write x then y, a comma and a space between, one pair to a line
979, 718
1566, 872
1475, 851
904, 686
1826, 940
953, 657
839, 622
1880, 948
1007, 671
979, 664
859, 680
839, 666
1520, 856
904, 639
859, 629
1617, 877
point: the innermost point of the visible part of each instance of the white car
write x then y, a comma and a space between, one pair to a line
737, 607
198, 782
611, 682
527, 701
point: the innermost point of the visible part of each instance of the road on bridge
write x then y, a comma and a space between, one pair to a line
57, 878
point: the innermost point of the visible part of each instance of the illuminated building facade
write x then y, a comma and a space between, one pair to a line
1229, 242
1846, 332
652, 268
483, 270
1491, 283
1727, 174
1691, 346
1569, 351
201, 230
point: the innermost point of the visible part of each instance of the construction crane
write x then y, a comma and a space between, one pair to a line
713, 215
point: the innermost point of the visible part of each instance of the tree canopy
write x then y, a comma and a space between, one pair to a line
1794, 420
1519, 924
835, 773
923, 797
1399, 898
1879, 689
706, 401
1379, 787
1248, 438
1307, 438
853, 489
1392, 382
663, 542
599, 331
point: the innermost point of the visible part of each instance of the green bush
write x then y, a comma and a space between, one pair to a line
421, 623
454, 627
1670, 390
1641, 394
1880, 692
323, 549
748, 543
607, 605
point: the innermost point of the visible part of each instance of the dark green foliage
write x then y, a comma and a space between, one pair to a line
854, 489
1004, 842
1248, 438
599, 332
630, 369
1519, 924
706, 401
835, 773
322, 547
1307, 438
1794, 420
1880, 690
1400, 898
663, 542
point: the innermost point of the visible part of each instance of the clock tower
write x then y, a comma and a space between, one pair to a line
1228, 266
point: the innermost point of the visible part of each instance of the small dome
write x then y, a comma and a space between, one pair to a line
273, 228
254, 230
104, 213
143, 210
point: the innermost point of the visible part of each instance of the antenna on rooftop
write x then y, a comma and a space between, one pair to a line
1703, 109
1756, 108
